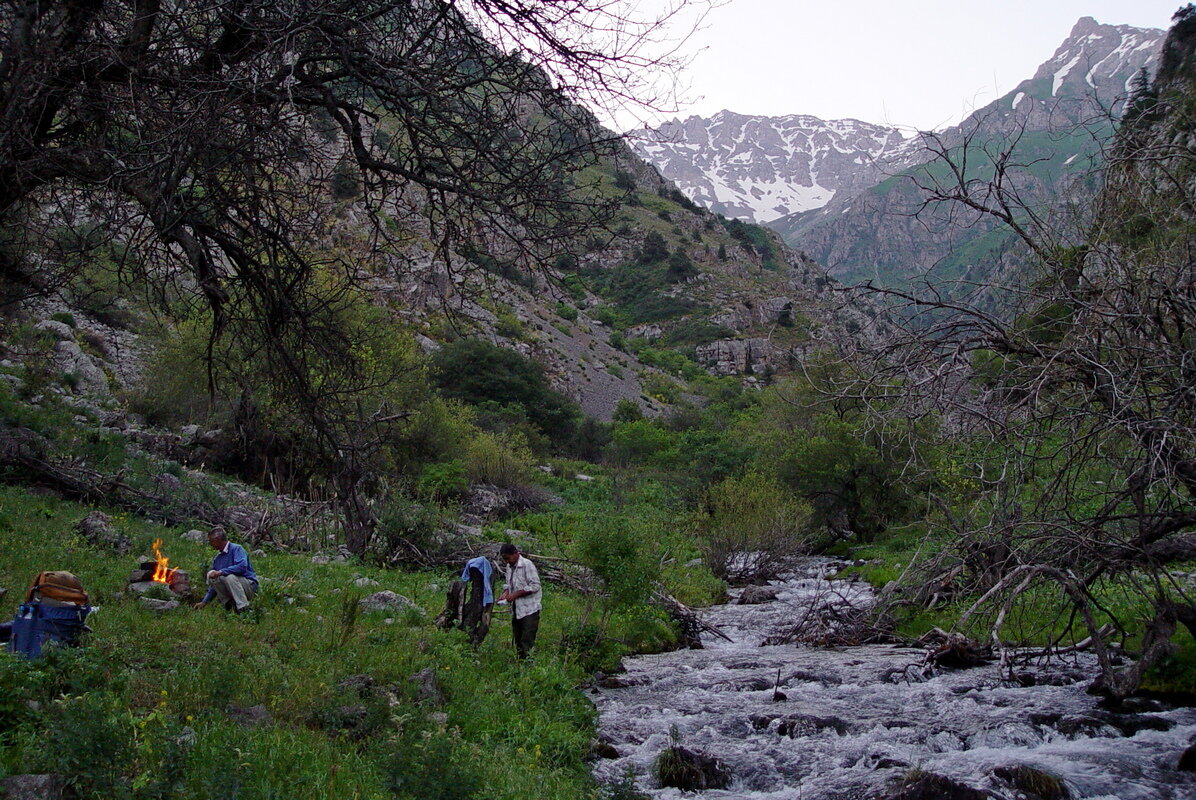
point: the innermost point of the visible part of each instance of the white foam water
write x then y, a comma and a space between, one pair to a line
856, 719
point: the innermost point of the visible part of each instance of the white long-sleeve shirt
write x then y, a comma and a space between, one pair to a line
524, 577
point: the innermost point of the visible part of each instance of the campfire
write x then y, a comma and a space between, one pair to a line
158, 572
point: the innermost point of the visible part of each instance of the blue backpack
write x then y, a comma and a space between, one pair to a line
37, 624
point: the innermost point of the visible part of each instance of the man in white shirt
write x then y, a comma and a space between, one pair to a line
523, 593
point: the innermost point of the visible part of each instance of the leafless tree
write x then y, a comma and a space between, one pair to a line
1076, 400
200, 145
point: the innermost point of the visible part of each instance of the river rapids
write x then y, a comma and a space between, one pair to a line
855, 720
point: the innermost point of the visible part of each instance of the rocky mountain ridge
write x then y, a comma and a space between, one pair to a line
762, 168
865, 228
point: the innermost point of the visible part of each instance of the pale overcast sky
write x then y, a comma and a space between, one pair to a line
918, 63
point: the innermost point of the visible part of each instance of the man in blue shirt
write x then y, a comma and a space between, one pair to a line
231, 577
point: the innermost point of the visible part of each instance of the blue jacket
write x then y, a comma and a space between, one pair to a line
482, 565
233, 560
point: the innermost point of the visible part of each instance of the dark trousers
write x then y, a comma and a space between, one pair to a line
524, 631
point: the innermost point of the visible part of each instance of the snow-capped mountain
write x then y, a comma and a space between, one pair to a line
762, 168
1053, 123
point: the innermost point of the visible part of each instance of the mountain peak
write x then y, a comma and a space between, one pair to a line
1094, 60
1083, 27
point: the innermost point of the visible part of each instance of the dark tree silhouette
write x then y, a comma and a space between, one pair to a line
201, 142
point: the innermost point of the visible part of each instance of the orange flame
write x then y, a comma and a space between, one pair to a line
162, 573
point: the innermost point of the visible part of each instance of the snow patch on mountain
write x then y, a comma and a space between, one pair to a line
763, 168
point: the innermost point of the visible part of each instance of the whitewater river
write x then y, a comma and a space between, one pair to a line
852, 724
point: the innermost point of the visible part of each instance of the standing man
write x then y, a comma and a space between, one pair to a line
523, 593
231, 577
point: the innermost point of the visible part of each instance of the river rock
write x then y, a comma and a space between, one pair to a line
690, 770
160, 606
795, 726
603, 749
89, 376
427, 687
755, 595
59, 330
33, 787
1032, 782
1187, 760
1132, 724
187, 738
929, 786
1079, 726
361, 685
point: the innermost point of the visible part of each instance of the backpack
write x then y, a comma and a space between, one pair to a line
61, 586
37, 625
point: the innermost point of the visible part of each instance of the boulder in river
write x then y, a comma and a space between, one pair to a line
1187, 761
755, 595
919, 785
1032, 782
691, 771
796, 726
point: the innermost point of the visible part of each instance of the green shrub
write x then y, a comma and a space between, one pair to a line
89, 739
434, 766
64, 317
587, 644
620, 559
627, 410
403, 525
752, 528
641, 441
443, 482
345, 183
646, 629
475, 371
566, 311
499, 460
510, 326
658, 387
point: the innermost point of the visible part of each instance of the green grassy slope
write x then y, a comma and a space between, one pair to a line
110, 715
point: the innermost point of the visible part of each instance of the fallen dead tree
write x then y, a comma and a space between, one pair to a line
26, 455
690, 623
954, 650
831, 619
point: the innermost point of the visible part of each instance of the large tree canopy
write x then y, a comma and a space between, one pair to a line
201, 147
195, 127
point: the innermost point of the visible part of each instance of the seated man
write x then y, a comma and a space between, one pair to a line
231, 577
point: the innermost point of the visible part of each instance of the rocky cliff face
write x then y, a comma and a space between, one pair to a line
762, 168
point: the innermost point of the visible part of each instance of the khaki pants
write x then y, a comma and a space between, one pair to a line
233, 591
